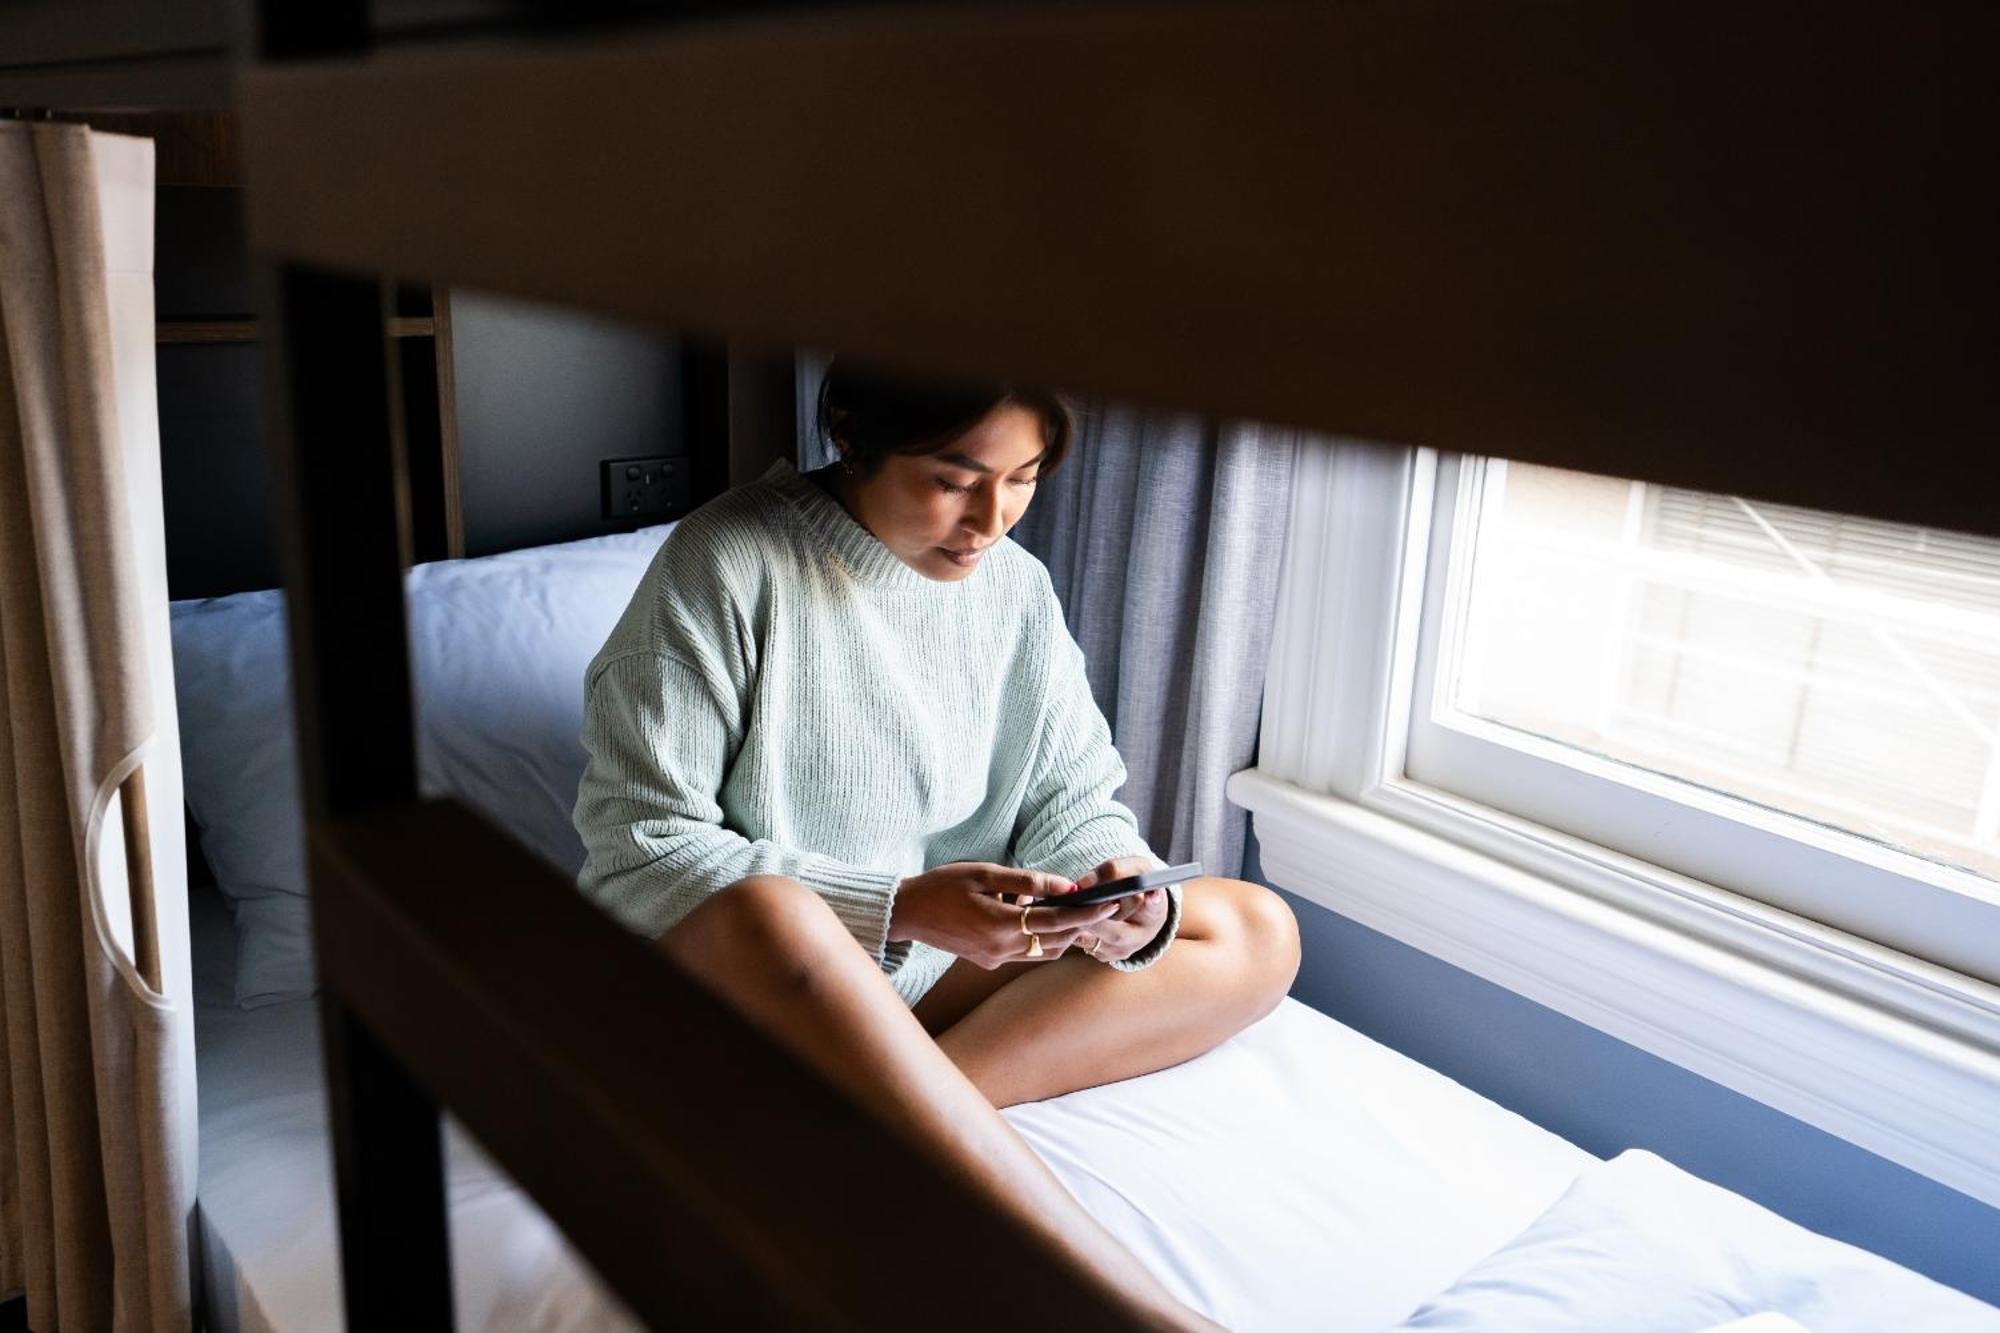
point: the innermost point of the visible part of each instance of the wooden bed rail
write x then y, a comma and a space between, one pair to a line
711, 1179
1737, 245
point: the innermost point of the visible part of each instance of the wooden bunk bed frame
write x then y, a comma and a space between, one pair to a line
1733, 246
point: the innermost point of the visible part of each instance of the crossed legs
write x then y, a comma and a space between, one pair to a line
1028, 1031
775, 950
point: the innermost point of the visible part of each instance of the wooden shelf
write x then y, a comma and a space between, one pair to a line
205, 331
245, 330
1727, 245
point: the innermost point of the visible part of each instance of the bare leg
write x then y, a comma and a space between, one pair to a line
1027, 1031
776, 951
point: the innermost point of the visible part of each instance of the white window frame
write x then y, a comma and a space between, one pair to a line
1860, 1032
1945, 915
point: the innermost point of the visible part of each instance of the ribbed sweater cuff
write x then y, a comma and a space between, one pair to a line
864, 900
1156, 946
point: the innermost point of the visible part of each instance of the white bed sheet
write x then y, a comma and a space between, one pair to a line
1641, 1246
1300, 1176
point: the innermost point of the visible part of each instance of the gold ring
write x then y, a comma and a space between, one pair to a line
1091, 948
1034, 940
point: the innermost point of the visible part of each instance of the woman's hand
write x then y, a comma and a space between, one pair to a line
1137, 920
964, 909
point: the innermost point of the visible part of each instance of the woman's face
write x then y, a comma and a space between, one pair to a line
940, 512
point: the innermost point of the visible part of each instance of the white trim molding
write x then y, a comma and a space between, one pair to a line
1946, 915
1883, 1051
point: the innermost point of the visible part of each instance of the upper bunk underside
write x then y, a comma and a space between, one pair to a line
1734, 247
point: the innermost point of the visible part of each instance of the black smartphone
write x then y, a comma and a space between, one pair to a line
1124, 888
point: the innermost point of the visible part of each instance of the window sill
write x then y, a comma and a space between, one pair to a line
1897, 1057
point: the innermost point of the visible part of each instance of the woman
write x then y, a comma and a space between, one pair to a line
844, 764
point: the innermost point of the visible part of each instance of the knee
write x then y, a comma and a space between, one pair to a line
765, 930
1261, 930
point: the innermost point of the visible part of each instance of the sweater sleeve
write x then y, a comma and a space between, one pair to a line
1069, 823
661, 727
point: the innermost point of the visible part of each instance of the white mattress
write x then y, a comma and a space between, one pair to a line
1640, 1246
1299, 1176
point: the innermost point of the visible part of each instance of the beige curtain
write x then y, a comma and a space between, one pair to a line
96, 1042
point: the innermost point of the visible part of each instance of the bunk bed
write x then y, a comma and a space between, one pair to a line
1298, 1176
1659, 241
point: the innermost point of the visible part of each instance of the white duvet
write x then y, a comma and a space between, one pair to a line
1300, 1176
1640, 1246
1635, 1245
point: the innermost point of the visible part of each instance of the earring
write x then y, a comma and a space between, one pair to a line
847, 465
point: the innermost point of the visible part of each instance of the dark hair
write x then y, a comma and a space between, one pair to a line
875, 413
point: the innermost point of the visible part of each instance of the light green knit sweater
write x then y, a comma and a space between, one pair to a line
785, 696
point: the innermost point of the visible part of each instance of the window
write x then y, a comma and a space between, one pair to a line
1716, 777
1795, 706
1840, 670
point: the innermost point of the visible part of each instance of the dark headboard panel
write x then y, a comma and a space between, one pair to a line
518, 403
544, 396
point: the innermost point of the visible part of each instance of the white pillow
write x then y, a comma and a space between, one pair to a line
498, 648
1640, 1246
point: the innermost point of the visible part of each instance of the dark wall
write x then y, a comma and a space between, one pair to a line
214, 481
213, 476
201, 265
543, 396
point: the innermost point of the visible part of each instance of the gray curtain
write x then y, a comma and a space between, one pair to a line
814, 451
1163, 535
96, 1040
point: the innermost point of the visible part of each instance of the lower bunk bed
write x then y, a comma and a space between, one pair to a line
1300, 1176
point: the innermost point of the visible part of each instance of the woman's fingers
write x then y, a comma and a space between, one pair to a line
1024, 883
1054, 943
1136, 924
1141, 904
1118, 867
1047, 918
1057, 927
